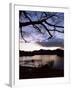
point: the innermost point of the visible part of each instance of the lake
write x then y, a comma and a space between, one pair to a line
41, 60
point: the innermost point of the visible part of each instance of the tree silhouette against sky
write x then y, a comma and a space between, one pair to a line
42, 22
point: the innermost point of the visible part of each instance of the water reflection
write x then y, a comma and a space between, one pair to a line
41, 60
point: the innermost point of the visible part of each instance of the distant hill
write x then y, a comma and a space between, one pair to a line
58, 52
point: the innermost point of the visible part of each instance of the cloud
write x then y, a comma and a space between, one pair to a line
57, 42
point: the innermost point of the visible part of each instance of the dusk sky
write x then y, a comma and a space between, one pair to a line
35, 39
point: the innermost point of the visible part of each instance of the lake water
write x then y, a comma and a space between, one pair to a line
40, 60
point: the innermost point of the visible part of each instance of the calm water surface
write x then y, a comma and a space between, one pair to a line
40, 60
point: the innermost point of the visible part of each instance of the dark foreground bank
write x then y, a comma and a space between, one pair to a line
41, 72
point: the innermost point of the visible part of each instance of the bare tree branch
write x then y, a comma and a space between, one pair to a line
57, 31
47, 30
43, 21
22, 35
53, 25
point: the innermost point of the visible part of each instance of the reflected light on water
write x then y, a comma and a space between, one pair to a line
37, 60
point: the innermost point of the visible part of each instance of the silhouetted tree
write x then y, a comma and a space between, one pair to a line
49, 21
